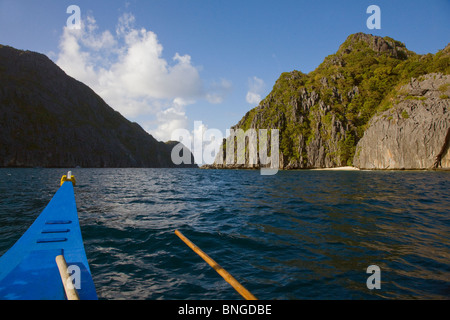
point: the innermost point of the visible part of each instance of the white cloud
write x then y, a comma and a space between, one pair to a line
253, 98
256, 87
169, 119
97, 42
129, 72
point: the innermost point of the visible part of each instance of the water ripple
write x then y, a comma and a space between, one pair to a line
295, 235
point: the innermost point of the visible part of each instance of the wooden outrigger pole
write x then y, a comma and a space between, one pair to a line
71, 292
227, 277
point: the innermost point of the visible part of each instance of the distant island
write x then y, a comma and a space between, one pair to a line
48, 119
373, 104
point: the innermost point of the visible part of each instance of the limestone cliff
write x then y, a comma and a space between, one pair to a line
48, 119
414, 133
321, 116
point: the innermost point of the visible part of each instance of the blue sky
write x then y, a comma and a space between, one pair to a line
168, 63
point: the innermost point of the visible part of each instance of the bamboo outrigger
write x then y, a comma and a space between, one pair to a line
224, 273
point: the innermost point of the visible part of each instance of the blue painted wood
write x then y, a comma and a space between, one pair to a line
28, 270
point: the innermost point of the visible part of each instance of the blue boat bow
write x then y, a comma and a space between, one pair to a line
28, 270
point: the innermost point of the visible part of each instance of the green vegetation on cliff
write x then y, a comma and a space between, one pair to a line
322, 115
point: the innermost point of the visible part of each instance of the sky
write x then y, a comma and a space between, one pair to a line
202, 65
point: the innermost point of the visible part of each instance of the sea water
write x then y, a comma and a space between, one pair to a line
295, 235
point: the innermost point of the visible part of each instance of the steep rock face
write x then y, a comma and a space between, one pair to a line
412, 133
321, 116
49, 119
377, 44
297, 111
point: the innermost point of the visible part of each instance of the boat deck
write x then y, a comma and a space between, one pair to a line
28, 271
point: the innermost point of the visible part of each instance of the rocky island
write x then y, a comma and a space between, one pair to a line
373, 104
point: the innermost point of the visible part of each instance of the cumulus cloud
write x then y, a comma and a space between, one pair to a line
256, 87
168, 119
128, 70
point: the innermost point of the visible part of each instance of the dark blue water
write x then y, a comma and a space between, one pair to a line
295, 235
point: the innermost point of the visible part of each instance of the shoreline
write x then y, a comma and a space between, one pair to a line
347, 168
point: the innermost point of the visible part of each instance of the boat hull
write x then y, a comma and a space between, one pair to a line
28, 270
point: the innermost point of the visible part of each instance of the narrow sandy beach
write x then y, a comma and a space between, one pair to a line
349, 168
